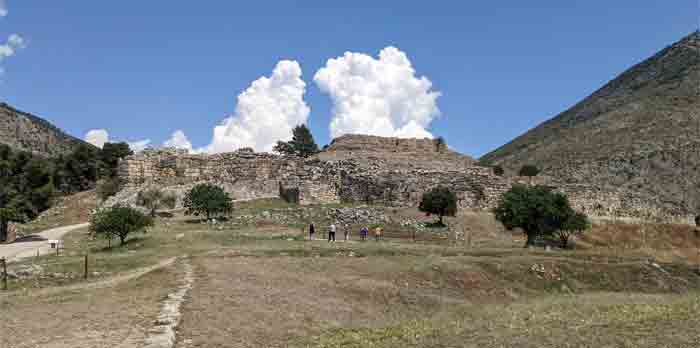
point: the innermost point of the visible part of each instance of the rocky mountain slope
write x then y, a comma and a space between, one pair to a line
27, 132
640, 132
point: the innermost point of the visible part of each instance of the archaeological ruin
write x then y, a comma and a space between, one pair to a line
360, 169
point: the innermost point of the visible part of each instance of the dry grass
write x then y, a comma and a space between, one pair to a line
118, 316
68, 210
266, 286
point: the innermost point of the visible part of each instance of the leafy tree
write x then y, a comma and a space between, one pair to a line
154, 199
119, 222
498, 170
107, 188
302, 143
440, 144
537, 210
207, 199
529, 170
111, 154
576, 223
79, 170
440, 201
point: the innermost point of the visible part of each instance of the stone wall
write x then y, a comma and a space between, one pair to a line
373, 179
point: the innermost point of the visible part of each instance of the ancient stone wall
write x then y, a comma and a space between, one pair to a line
380, 179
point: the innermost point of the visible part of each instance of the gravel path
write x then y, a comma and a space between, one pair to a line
23, 249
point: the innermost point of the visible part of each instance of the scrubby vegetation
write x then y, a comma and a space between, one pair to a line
207, 199
29, 183
539, 212
440, 201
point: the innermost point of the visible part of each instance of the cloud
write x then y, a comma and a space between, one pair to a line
138, 146
266, 112
13, 44
3, 8
97, 137
179, 141
378, 96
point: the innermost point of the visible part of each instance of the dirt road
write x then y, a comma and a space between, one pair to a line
28, 246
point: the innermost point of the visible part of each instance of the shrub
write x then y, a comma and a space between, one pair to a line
207, 199
107, 188
154, 199
529, 170
498, 170
537, 210
119, 221
440, 201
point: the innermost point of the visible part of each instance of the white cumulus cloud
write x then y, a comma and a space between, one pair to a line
179, 141
3, 8
140, 145
13, 44
97, 137
266, 112
378, 96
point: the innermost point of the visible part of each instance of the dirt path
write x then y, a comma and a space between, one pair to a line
28, 248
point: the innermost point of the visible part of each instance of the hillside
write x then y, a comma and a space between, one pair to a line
24, 131
640, 132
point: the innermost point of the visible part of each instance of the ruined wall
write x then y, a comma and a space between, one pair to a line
244, 174
373, 178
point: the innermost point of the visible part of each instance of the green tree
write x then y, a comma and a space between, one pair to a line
440, 144
440, 201
107, 187
207, 199
119, 222
529, 171
154, 199
302, 143
537, 210
111, 154
498, 170
575, 224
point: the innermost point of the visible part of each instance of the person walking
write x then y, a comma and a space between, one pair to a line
312, 232
346, 231
363, 233
331, 233
378, 233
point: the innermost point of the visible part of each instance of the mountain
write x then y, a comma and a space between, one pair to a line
27, 132
640, 132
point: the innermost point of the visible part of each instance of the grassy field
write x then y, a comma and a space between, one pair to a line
263, 284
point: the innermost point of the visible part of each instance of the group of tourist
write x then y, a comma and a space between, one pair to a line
332, 229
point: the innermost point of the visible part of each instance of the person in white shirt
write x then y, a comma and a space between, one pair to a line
331, 233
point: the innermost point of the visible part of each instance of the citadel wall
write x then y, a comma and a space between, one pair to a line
372, 177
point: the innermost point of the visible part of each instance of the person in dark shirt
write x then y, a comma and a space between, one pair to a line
312, 231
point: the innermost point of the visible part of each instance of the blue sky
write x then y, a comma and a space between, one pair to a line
143, 69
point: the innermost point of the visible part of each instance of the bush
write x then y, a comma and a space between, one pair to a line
207, 199
529, 170
498, 170
154, 199
537, 210
119, 221
107, 188
440, 201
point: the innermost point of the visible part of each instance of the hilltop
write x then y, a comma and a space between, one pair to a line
640, 132
27, 132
